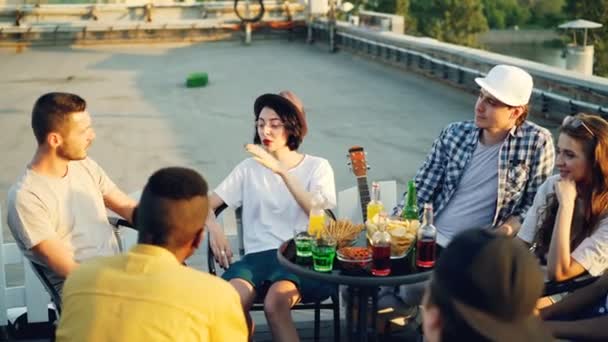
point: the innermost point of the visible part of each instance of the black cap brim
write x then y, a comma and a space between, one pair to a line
276, 102
529, 328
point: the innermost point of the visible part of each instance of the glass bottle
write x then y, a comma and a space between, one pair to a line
374, 207
381, 248
316, 217
410, 210
427, 239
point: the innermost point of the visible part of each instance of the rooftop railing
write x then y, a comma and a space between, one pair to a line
544, 102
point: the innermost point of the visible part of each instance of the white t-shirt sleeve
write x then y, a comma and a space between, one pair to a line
29, 219
592, 253
104, 182
530, 225
323, 177
230, 189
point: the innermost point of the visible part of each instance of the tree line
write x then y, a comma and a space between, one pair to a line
461, 21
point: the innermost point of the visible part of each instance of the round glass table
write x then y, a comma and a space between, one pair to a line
361, 286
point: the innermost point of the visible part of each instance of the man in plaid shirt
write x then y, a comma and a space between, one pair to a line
485, 172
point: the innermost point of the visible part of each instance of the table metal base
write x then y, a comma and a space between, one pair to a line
358, 328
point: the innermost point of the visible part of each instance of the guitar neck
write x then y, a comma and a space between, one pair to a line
363, 195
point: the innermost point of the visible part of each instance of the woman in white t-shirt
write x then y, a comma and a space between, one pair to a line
274, 189
567, 225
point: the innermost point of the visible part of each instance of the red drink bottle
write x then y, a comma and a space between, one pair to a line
381, 248
427, 239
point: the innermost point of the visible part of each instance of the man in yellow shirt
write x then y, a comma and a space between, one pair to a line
147, 294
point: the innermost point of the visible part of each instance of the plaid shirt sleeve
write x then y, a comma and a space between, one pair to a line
429, 176
540, 169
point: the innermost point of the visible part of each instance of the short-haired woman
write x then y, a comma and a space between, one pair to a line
274, 188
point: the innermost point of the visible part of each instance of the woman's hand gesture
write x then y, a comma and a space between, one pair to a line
565, 191
265, 158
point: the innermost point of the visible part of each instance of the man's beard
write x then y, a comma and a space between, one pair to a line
68, 154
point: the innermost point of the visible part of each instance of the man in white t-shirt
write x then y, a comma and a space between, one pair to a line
57, 209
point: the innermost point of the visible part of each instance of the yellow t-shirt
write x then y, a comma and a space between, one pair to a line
146, 295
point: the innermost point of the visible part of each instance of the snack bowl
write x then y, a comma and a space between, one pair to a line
399, 254
403, 234
344, 231
353, 259
401, 242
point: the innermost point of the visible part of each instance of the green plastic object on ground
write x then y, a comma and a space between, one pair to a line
198, 79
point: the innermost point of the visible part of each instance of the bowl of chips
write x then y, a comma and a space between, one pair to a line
403, 233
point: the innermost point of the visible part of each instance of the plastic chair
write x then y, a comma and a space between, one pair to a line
259, 301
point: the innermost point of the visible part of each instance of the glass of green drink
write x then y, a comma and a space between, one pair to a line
323, 253
303, 246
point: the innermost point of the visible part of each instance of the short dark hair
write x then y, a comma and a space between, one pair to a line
52, 110
164, 188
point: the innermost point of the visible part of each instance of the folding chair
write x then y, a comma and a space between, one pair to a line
259, 301
39, 271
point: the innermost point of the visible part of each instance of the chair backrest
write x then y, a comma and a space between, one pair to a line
349, 202
15, 300
238, 215
50, 289
126, 238
37, 292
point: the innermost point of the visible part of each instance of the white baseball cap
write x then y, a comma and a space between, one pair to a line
508, 84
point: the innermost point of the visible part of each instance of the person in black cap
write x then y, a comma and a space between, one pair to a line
274, 189
484, 288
